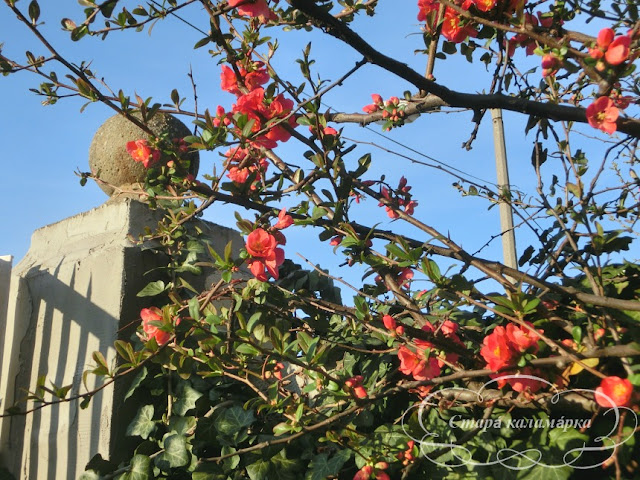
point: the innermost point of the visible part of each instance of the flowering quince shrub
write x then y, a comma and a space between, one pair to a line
281, 370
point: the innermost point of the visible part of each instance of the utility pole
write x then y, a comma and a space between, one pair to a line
506, 211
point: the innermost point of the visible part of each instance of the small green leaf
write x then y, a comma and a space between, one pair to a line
152, 289
194, 308
142, 374
34, 11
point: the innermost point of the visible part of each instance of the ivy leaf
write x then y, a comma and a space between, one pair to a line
208, 472
322, 466
175, 453
259, 470
287, 468
561, 437
233, 420
182, 425
140, 468
143, 424
187, 397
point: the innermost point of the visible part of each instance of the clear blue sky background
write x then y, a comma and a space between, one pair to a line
43, 146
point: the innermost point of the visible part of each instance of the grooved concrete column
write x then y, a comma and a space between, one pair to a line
75, 293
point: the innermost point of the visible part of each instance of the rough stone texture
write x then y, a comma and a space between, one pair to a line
70, 295
108, 157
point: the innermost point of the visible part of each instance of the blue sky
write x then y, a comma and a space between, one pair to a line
43, 146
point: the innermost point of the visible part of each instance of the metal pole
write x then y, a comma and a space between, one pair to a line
506, 212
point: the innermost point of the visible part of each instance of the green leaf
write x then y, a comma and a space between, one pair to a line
175, 453
561, 437
142, 374
34, 11
182, 425
186, 399
259, 470
152, 289
140, 468
247, 349
287, 468
194, 308
234, 419
143, 424
322, 466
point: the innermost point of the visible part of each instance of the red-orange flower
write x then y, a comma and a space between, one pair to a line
355, 383
141, 152
151, 320
602, 114
425, 8
452, 29
415, 365
618, 390
525, 384
260, 243
522, 339
496, 350
484, 5
284, 220
389, 322
262, 246
618, 51
550, 64
253, 8
605, 37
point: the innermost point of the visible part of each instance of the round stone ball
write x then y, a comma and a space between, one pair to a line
108, 156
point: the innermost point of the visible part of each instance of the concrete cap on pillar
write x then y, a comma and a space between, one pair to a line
108, 157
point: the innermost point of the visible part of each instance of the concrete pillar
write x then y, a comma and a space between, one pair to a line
75, 293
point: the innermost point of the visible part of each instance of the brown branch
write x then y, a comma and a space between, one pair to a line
269, 443
552, 111
415, 107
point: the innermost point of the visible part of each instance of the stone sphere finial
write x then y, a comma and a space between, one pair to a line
108, 157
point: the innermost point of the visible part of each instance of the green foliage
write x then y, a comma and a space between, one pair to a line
277, 370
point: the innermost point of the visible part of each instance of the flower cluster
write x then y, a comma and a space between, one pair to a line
523, 40
262, 246
422, 364
392, 110
142, 152
245, 166
391, 324
614, 50
504, 347
454, 27
252, 106
408, 456
369, 472
398, 198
